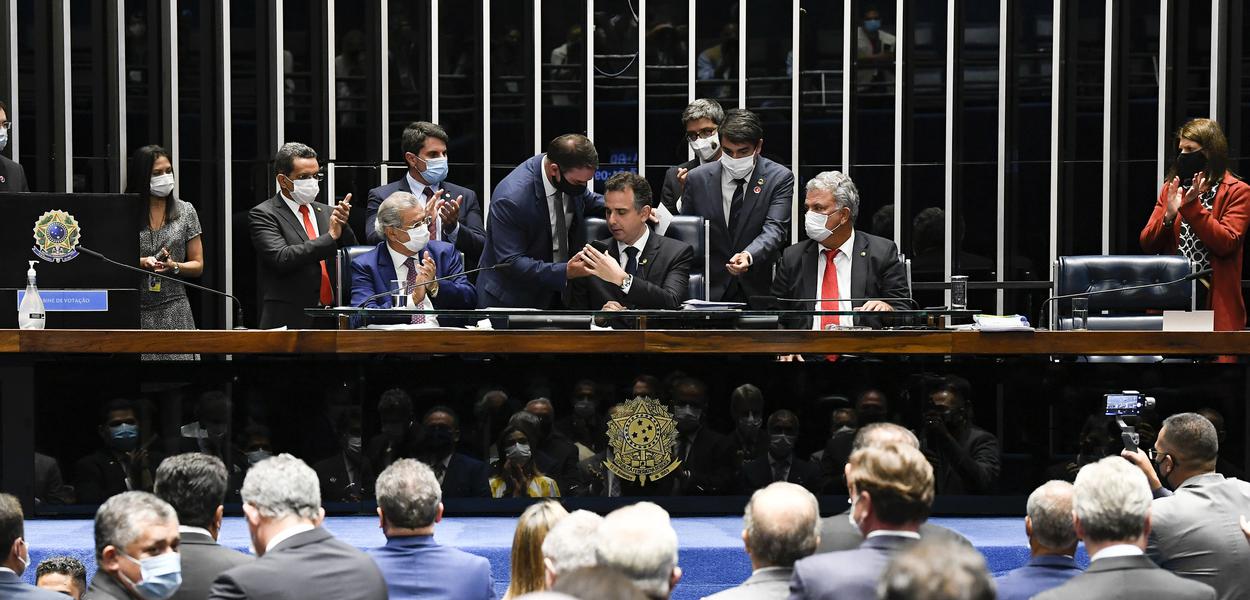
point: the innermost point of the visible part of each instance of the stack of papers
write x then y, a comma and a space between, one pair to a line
694, 304
1002, 323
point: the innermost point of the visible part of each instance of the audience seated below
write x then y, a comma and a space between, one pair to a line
1052, 544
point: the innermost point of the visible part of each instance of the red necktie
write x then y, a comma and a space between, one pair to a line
829, 291
429, 206
326, 297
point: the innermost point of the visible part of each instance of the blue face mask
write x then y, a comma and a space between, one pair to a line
872, 25
4, 138
162, 575
124, 436
435, 170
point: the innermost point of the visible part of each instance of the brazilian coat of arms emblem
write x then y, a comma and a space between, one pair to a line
56, 236
642, 433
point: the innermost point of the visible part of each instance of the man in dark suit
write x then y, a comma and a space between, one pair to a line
780, 463
346, 476
195, 485
298, 558
746, 198
635, 268
706, 468
413, 564
839, 533
136, 540
891, 492
965, 457
702, 119
1052, 544
62, 574
862, 265
295, 240
415, 261
1112, 515
456, 211
124, 463
459, 475
12, 175
535, 230
778, 528
15, 557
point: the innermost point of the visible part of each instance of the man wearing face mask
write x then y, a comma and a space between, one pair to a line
136, 540
561, 454
456, 211
398, 430
1196, 512
780, 463
746, 199
12, 175
347, 476
706, 469
16, 555
123, 464
746, 406
295, 239
838, 261
875, 51
965, 457
702, 119
460, 475
535, 228
585, 426
410, 257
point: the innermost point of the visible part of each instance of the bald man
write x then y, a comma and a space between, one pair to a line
779, 526
1052, 544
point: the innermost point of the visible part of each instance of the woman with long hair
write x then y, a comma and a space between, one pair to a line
1202, 213
516, 475
529, 573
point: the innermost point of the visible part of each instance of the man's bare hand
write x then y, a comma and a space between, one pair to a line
613, 305
576, 267
338, 219
1142, 462
875, 306
738, 264
602, 266
681, 178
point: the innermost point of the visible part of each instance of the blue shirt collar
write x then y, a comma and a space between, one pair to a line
410, 541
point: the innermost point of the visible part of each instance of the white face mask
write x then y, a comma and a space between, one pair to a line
417, 239
706, 148
814, 225
161, 185
738, 168
304, 191
850, 515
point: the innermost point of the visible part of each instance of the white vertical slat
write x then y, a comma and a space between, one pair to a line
15, 134
538, 75
331, 74
384, 79
119, 35
795, 12
1000, 244
1056, 75
227, 165
67, 165
641, 62
279, 80
590, 72
486, 106
171, 94
1108, 94
1164, 81
691, 62
948, 167
434, 80
900, 88
1219, 39
742, 54
848, 54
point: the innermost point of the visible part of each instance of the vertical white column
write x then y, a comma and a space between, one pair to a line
1108, 95
15, 134
692, 60
1219, 63
486, 106
641, 61
434, 80
590, 70
278, 50
538, 74
331, 75
227, 158
742, 53
900, 88
948, 167
848, 55
119, 80
1056, 84
384, 40
1000, 244
67, 104
171, 90
796, 210
1165, 62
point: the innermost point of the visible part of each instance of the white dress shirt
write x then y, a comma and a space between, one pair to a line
841, 260
552, 198
639, 243
727, 189
1116, 551
312, 213
418, 190
894, 532
288, 533
189, 529
401, 273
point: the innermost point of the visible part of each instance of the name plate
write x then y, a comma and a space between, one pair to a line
71, 300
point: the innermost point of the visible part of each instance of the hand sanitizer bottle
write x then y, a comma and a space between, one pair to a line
30, 314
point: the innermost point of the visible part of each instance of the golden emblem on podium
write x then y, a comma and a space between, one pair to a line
641, 433
56, 236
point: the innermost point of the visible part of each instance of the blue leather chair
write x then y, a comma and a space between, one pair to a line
692, 230
1123, 311
346, 255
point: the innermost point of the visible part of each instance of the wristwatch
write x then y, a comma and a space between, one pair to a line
433, 290
628, 281
177, 269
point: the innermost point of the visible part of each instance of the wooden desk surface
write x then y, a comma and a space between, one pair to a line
623, 342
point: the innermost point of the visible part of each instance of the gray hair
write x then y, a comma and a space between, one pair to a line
1050, 512
1112, 500
284, 160
639, 541
782, 522
282, 486
391, 209
880, 434
408, 494
845, 194
1193, 437
571, 543
937, 570
121, 519
703, 108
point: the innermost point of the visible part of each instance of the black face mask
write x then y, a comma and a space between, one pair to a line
563, 185
870, 414
780, 445
1189, 163
438, 440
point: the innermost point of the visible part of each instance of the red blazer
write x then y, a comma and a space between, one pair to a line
1223, 230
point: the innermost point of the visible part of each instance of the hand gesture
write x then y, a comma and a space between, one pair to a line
339, 218
1173, 196
163, 262
602, 266
875, 306
449, 212
613, 305
681, 178
576, 267
425, 274
738, 264
148, 262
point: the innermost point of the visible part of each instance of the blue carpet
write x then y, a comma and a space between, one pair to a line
711, 555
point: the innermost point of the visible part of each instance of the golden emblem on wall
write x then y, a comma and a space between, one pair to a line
641, 433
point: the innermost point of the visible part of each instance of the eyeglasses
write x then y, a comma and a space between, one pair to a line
6, 126
706, 132
318, 176
418, 225
1155, 455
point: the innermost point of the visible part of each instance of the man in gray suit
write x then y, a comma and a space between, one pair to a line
1194, 530
779, 526
16, 555
298, 559
746, 198
838, 533
891, 491
195, 485
1111, 508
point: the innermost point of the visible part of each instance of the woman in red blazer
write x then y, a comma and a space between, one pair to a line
1202, 213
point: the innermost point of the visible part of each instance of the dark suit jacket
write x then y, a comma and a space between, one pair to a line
759, 473
466, 477
518, 239
50, 487
337, 484
875, 273
763, 228
417, 567
203, 559
845, 575
1127, 578
288, 269
710, 465
972, 468
1040, 574
12, 176
672, 190
373, 272
13, 588
104, 587
469, 238
99, 476
837, 534
662, 281
312, 564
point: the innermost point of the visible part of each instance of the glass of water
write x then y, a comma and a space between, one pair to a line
959, 292
1080, 314
399, 295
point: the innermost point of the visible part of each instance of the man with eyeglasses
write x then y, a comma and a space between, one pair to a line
408, 256
296, 239
12, 175
702, 119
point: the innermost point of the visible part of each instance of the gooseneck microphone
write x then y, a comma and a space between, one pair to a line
238, 307
1048, 308
443, 278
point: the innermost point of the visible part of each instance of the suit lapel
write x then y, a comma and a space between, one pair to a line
807, 271
717, 209
647, 258
859, 268
749, 200
386, 267
284, 213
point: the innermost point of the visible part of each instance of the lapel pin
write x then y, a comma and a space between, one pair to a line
760, 181
863, 253
757, 189
643, 262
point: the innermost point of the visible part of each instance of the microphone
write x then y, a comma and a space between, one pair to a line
767, 302
1049, 309
436, 280
238, 306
